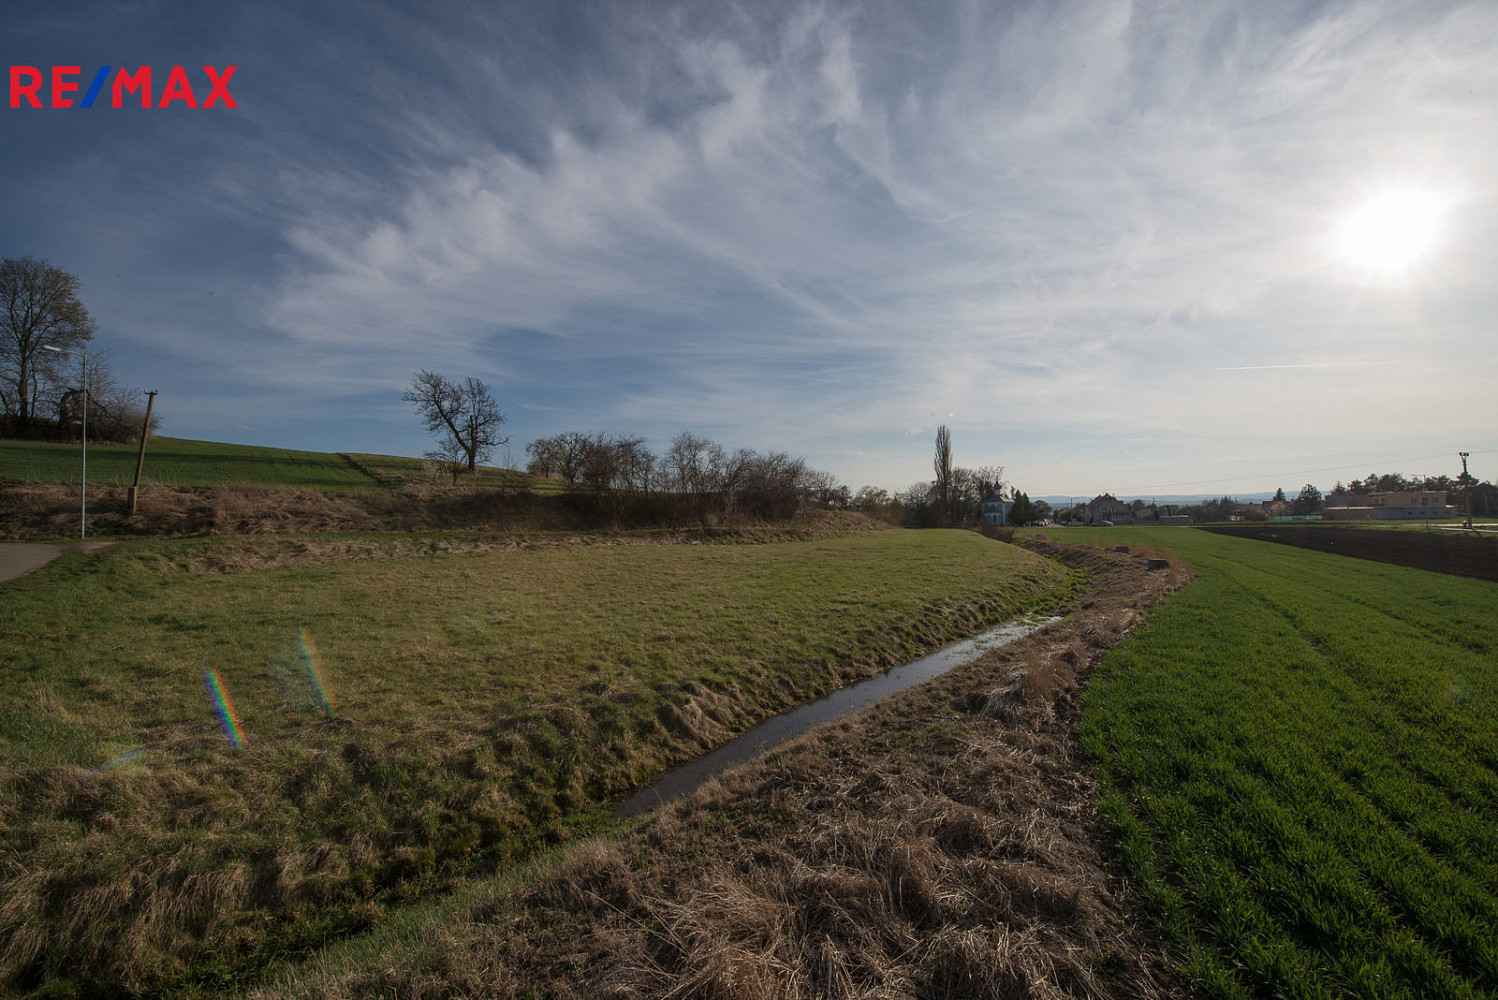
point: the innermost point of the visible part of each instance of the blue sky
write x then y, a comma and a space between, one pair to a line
1106, 243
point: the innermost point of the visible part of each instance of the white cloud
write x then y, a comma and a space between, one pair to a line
1073, 216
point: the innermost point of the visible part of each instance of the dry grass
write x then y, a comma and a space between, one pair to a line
455, 750
40, 510
933, 846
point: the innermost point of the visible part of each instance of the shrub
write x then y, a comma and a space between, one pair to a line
997, 532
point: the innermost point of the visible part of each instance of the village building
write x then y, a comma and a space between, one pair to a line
996, 509
1108, 507
1390, 506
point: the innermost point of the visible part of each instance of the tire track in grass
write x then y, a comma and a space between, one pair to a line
1374, 782
1474, 787
1331, 842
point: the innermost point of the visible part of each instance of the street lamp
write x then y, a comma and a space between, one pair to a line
83, 435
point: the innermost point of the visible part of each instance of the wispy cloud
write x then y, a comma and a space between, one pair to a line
817, 226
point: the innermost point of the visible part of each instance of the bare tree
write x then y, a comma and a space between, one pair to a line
942, 462
463, 415
562, 456
448, 458
38, 307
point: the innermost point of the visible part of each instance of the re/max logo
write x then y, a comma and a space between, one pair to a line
26, 83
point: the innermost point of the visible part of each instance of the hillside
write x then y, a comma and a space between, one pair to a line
182, 462
206, 487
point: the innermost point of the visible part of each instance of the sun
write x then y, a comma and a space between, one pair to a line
1390, 231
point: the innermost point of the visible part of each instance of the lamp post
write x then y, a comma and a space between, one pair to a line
83, 435
1467, 484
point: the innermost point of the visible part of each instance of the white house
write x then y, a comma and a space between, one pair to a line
996, 509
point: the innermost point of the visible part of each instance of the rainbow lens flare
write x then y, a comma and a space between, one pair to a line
224, 707
124, 758
301, 678
315, 673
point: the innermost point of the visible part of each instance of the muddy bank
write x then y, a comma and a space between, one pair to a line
942, 843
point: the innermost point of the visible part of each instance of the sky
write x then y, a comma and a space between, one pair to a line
1143, 248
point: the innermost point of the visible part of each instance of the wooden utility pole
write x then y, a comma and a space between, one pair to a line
140, 459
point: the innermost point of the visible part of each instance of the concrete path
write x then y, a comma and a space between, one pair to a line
20, 558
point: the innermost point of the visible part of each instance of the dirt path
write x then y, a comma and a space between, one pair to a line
20, 558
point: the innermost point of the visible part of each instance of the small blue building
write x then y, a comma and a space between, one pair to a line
996, 509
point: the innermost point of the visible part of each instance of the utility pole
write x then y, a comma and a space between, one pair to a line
1466, 487
83, 440
140, 459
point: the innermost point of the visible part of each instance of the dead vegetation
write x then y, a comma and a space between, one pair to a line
30, 510
261, 515
941, 844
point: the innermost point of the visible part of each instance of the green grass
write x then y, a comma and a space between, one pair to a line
185, 463
179, 462
391, 468
1299, 760
485, 703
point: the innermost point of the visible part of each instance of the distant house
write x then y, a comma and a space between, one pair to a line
996, 509
1108, 507
1391, 506
1170, 513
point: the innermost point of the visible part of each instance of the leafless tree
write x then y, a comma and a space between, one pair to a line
448, 458
562, 456
462, 415
39, 307
942, 462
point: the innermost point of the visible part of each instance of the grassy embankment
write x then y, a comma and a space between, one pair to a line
185, 463
405, 722
1299, 758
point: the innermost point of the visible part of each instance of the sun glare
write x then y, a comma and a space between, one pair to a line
1390, 231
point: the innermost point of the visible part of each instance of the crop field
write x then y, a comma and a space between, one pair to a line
204, 772
1299, 760
180, 462
185, 463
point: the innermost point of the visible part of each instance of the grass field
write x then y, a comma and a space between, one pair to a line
1299, 758
180, 462
185, 463
203, 772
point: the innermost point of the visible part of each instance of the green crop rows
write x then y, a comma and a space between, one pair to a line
1299, 760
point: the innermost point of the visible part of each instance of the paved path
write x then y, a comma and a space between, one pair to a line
20, 558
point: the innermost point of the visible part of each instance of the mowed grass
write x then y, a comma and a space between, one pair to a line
1299, 758
180, 462
185, 463
393, 468
404, 722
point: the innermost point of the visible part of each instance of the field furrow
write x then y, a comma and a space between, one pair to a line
1296, 759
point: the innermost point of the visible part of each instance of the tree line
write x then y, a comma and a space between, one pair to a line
954, 498
616, 477
44, 331
695, 480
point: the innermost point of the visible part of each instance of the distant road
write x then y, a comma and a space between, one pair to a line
20, 558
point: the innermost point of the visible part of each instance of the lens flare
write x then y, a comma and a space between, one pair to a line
313, 660
224, 707
123, 758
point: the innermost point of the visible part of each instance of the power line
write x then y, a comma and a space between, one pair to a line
1159, 488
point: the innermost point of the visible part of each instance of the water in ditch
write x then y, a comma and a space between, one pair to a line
844, 701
